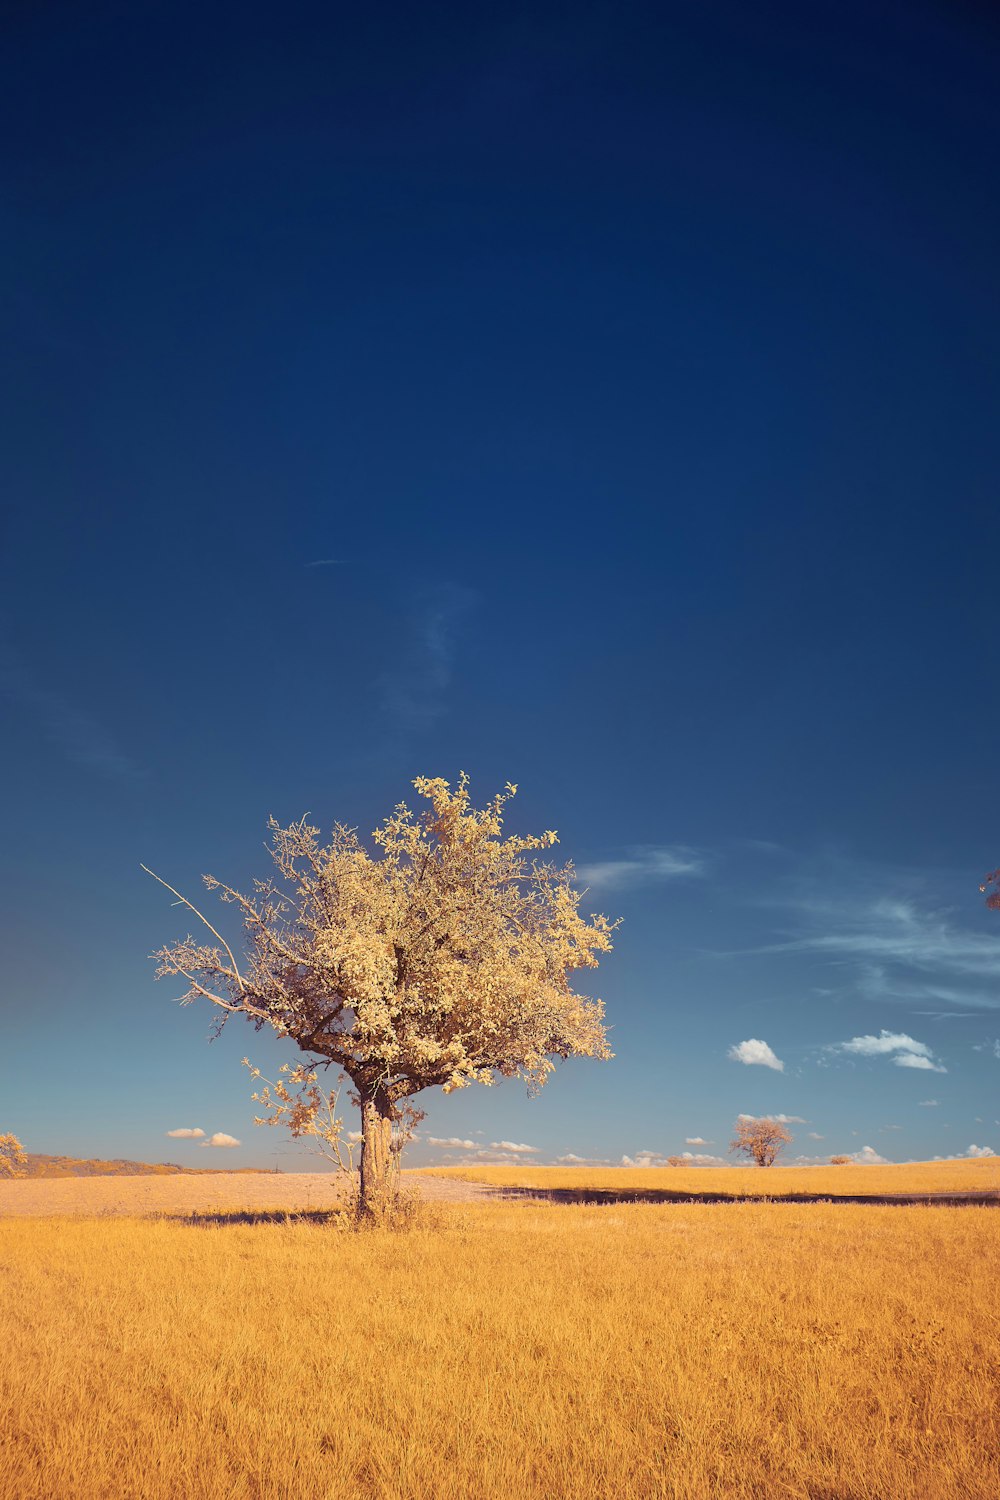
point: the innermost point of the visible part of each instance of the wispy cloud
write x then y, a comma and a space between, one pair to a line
902, 1049
75, 732
513, 1146
904, 948
451, 1142
643, 865
325, 562
755, 1053
696, 1140
928, 1104
186, 1134
413, 693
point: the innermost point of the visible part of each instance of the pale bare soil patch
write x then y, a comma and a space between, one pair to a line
41, 1197
519, 1351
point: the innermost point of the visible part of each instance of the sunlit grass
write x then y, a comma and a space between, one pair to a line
911, 1178
522, 1350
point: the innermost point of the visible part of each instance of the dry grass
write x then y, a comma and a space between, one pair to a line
738, 1350
925, 1178
174, 1194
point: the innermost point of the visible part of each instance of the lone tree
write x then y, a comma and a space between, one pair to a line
760, 1139
442, 962
13, 1162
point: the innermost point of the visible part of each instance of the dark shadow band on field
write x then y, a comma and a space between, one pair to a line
667, 1195
234, 1216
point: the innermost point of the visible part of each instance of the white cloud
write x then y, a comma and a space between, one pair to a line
781, 1119
701, 1159
885, 1042
220, 1138
868, 1156
451, 1141
753, 1052
643, 1159
913, 1060
696, 1140
186, 1134
980, 1151
643, 865
904, 1050
512, 1146
354, 1136
814, 1135
928, 1104
570, 1159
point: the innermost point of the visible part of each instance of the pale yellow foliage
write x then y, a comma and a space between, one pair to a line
445, 960
746, 1351
13, 1162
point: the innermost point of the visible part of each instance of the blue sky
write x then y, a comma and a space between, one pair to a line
603, 401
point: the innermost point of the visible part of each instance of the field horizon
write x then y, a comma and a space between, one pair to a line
979, 1177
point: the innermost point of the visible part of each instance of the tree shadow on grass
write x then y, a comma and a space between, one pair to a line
668, 1195
202, 1219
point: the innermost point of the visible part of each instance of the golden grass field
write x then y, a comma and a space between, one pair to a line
506, 1349
910, 1179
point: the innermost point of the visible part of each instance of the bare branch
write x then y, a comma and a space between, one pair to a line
191, 907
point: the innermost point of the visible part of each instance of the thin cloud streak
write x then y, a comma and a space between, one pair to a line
905, 949
642, 866
74, 732
413, 694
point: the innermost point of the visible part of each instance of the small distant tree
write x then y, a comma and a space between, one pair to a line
675, 1161
441, 963
13, 1162
760, 1139
840, 1161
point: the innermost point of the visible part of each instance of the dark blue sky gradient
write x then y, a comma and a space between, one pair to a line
636, 367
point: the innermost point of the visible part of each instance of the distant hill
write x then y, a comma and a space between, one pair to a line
70, 1166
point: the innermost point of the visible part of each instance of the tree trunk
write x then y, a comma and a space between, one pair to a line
379, 1163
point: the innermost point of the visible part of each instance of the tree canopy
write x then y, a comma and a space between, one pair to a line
444, 960
760, 1139
13, 1162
